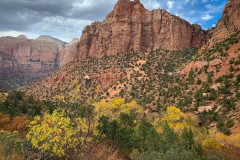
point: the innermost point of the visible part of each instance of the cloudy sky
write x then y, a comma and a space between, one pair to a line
65, 19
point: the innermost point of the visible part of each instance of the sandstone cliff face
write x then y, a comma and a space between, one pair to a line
132, 28
227, 25
23, 60
69, 52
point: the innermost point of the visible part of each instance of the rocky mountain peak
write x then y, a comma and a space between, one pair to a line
231, 15
22, 37
128, 1
132, 28
127, 7
44, 37
73, 41
47, 38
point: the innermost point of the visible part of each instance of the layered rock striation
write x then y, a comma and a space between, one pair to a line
132, 28
23, 60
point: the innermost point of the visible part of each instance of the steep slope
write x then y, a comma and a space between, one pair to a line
23, 61
227, 25
132, 28
94, 77
205, 82
209, 85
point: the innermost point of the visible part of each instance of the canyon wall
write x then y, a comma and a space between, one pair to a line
227, 25
23, 61
132, 28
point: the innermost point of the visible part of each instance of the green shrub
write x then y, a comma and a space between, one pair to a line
238, 78
199, 82
11, 147
228, 103
223, 127
231, 69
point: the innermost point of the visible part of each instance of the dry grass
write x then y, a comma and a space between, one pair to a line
100, 152
3, 156
224, 153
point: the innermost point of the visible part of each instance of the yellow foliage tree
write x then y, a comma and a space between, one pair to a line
173, 114
200, 52
216, 143
115, 106
85, 128
53, 133
211, 143
177, 120
225, 140
234, 140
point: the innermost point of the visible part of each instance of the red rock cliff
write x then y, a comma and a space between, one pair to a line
23, 60
132, 28
69, 52
227, 25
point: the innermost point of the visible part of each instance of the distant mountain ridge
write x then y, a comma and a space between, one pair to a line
24, 61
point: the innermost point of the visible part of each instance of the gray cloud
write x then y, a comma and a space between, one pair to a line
20, 15
65, 19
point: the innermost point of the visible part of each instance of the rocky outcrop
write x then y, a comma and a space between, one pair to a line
227, 25
23, 60
132, 28
60, 44
74, 41
69, 52
215, 62
194, 65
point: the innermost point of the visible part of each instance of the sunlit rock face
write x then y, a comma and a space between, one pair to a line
227, 25
132, 28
